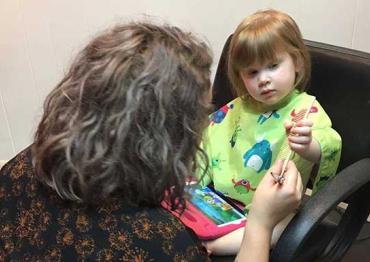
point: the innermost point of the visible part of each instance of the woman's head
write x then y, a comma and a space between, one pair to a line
127, 118
259, 40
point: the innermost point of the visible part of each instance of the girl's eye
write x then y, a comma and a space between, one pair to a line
252, 72
273, 66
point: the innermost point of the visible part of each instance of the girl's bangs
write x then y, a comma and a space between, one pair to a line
256, 49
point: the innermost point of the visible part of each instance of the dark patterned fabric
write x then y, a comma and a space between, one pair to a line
37, 225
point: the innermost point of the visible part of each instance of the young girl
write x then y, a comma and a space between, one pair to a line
269, 67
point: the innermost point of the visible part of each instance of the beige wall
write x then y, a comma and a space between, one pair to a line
39, 37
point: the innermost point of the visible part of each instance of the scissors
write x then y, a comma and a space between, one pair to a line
278, 178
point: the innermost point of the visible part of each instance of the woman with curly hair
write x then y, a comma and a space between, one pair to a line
121, 129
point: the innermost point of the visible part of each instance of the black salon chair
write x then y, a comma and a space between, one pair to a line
341, 82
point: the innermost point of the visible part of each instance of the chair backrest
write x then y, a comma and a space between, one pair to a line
340, 80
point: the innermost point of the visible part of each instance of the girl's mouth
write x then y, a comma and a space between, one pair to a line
267, 92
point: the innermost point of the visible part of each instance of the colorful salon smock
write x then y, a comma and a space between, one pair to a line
242, 143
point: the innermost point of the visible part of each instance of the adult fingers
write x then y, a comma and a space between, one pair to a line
291, 175
299, 191
299, 183
272, 173
277, 166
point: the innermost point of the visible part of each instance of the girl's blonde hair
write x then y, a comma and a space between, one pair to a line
258, 38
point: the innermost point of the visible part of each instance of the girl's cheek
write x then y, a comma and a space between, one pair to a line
246, 83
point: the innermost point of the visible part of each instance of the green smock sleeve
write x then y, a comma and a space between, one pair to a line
330, 145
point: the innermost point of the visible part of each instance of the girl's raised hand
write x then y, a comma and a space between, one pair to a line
300, 139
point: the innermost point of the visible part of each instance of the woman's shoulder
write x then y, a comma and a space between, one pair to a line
19, 165
50, 227
15, 177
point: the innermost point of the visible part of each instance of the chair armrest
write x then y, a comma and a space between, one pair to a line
351, 184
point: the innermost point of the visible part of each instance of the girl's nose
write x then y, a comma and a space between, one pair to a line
263, 79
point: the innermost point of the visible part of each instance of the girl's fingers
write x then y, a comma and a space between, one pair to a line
298, 148
299, 139
305, 122
301, 131
288, 124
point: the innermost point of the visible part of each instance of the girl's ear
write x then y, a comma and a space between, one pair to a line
298, 63
298, 66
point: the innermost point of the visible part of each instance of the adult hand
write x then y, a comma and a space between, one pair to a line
273, 201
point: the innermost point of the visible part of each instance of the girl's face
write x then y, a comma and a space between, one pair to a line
271, 82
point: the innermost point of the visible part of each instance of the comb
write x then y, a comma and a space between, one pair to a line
302, 114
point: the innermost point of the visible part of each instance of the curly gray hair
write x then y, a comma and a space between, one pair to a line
127, 118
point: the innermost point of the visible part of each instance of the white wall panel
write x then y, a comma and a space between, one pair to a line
20, 96
6, 141
361, 34
68, 29
38, 39
39, 45
328, 21
292, 7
